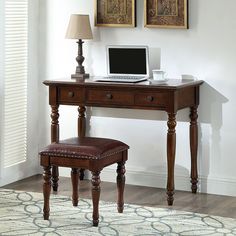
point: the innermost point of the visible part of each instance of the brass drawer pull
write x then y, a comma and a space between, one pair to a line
109, 96
71, 94
150, 98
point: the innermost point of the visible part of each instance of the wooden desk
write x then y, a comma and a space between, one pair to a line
169, 97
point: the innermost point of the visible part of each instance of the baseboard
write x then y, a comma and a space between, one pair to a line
208, 185
218, 186
21, 175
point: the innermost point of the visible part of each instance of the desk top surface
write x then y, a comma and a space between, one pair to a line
169, 84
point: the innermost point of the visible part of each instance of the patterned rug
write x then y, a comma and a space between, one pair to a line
21, 214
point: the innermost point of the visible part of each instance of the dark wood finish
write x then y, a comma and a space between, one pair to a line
46, 191
54, 123
68, 94
171, 143
170, 97
81, 129
88, 153
55, 178
81, 121
193, 147
150, 100
75, 183
109, 97
120, 181
140, 195
96, 196
54, 138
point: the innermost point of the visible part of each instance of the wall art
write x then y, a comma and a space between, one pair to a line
166, 13
115, 13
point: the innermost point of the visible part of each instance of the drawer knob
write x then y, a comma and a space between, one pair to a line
150, 98
71, 94
109, 96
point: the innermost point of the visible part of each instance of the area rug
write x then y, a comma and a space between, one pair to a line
21, 214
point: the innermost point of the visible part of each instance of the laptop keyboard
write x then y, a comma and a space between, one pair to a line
123, 79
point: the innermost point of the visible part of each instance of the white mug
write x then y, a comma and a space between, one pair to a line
159, 75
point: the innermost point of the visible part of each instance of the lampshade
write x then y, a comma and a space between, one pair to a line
79, 27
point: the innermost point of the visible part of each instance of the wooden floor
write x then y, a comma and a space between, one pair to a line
201, 203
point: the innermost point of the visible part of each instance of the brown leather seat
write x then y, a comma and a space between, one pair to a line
87, 153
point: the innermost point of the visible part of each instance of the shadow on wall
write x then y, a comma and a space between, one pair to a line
154, 59
210, 112
44, 126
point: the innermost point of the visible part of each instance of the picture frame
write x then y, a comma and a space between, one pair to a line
115, 13
166, 14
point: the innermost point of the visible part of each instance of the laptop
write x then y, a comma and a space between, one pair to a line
126, 64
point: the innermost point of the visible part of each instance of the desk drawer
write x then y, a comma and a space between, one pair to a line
110, 97
70, 95
151, 99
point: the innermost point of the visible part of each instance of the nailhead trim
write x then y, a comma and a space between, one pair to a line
65, 153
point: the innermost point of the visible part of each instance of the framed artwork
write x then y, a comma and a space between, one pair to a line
115, 13
166, 13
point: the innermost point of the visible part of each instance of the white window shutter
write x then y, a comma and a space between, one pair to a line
15, 82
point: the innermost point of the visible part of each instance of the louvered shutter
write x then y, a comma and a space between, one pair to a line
15, 82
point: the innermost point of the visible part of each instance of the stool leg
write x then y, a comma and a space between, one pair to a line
81, 174
75, 182
46, 191
95, 196
120, 180
55, 178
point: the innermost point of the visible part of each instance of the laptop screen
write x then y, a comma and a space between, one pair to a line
128, 60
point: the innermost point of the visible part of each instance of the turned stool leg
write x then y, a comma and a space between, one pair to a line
81, 174
46, 191
55, 178
120, 180
75, 182
95, 196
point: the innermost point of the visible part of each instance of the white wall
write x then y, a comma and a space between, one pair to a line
207, 50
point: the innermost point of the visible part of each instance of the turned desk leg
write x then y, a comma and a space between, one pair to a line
81, 130
54, 138
171, 145
120, 180
193, 147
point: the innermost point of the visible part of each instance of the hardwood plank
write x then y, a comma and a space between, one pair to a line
202, 203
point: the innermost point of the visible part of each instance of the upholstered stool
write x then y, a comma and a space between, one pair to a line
88, 153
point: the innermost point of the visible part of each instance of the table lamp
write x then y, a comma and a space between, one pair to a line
79, 28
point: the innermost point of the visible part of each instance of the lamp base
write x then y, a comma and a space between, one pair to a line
79, 76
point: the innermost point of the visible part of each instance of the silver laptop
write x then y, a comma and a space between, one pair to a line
127, 64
